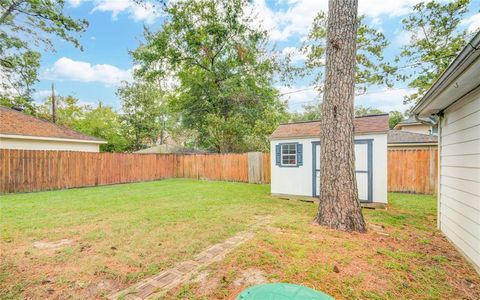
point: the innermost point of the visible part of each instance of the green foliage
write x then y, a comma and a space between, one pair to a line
68, 111
310, 112
435, 40
101, 121
395, 117
366, 110
314, 112
144, 113
25, 24
371, 68
223, 73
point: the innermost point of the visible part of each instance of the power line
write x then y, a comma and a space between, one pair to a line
364, 94
401, 67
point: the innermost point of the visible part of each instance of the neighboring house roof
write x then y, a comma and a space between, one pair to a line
460, 78
405, 137
410, 121
17, 124
365, 124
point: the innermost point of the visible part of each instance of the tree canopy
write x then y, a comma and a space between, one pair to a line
435, 39
145, 114
26, 26
371, 68
100, 121
222, 73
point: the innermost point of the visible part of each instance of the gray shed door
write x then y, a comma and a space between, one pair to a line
363, 169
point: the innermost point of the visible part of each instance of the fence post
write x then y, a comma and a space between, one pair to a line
255, 167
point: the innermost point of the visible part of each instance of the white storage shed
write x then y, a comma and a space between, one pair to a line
295, 159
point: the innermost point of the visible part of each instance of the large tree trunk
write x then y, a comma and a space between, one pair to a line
339, 203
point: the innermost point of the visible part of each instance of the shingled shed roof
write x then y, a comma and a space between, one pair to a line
406, 137
13, 122
365, 124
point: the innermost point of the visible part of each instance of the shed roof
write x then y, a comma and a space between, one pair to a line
365, 124
405, 137
13, 122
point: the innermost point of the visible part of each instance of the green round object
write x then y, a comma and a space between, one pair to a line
281, 291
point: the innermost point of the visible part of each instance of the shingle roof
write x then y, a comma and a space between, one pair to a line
365, 124
13, 122
405, 137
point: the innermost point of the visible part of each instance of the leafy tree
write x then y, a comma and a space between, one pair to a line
371, 69
103, 122
68, 111
25, 24
310, 112
224, 73
435, 38
339, 204
366, 110
314, 112
144, 113
394, 118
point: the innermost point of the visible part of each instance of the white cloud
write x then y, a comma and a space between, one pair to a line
146, 12
385, 100
298, 18
68, 69
402, 37
473, 22
75, 3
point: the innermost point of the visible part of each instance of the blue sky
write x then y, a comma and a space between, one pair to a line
116, 27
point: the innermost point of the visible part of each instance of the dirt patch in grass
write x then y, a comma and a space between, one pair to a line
125, 233
402, 256
52, 245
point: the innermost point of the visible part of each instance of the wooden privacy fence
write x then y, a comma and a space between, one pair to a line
413, 170
30, 170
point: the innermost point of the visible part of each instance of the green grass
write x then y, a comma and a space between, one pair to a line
124, 233
149, 226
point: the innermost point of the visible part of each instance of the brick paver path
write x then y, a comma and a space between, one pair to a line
182, 272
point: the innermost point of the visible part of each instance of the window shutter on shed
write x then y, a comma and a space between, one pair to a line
299, 154
277, 155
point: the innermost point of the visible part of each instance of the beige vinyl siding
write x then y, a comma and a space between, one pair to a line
27, 144
459, 194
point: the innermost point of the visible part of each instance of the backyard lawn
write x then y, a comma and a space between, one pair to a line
90, 242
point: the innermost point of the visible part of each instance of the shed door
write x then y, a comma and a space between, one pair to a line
363, 169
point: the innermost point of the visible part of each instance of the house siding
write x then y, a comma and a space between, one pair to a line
27, 144
459, 191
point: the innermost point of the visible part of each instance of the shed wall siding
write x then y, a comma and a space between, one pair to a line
25, 144
459, 194
298, 180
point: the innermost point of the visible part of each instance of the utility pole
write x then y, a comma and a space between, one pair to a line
54, 117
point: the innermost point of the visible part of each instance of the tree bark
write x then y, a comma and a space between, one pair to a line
339, 206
